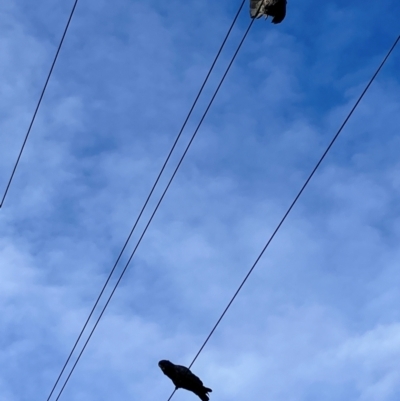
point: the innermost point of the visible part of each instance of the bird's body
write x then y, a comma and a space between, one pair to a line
182, 377
273, 8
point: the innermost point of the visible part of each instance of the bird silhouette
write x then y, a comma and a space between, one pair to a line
182, 377
273, 8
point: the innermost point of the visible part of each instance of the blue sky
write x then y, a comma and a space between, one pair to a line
319, 318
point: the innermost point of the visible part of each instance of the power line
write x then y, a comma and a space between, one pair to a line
293, 203
38, 103
145, 205
155, 210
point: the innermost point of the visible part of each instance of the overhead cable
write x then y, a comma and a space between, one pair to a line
38, 103
144, 207
294, 202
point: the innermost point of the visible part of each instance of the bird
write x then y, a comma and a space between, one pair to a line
273, 8
182, 377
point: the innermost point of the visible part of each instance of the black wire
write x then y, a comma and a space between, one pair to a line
155, 209
144, 206
294, 202
38, 103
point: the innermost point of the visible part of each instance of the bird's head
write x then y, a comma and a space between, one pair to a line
165, 365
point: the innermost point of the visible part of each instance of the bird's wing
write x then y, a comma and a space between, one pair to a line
181, 374
187, 379
181, 370
279, 11
257, 8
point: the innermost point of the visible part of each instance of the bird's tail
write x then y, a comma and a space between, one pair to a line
202, 393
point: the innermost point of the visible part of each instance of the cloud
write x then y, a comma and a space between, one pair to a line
318, 319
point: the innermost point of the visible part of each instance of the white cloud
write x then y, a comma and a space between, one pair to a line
319, 317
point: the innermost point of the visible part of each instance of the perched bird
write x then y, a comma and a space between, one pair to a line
273, 8
183, 378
